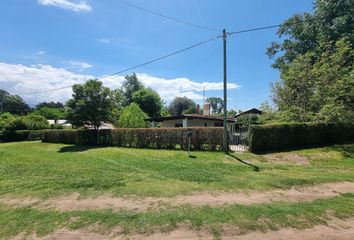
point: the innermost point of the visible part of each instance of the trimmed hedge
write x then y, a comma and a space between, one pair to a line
21, 135
299, 135
203, 138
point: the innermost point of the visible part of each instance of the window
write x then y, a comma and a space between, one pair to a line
218, 124
177, 125
205, 124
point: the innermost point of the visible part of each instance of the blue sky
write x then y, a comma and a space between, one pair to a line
46, 44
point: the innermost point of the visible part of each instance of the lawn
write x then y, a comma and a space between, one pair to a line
46, 170
42, 170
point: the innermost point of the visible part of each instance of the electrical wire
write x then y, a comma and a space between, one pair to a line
168, 17
133, 67
272, 26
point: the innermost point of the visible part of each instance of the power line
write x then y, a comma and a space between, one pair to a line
179, 51
134, 67
168, 17
272, 26
160, 58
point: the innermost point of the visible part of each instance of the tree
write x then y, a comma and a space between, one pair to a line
13, 104
5, 119
231, 113
216, 103
181, 105
129, 87
50, 105
116, 111
132, 117
149, 101
92, 104
51, 113
315, 60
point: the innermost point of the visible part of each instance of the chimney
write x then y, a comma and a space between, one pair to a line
206, 109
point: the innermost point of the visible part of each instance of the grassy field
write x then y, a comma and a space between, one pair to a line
42, 170
47, 170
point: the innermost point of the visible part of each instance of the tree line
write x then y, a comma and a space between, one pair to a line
92, 104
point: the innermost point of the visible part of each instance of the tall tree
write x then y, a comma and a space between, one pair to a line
50, 105
181, 105
13, 103
315, 60
149, 101
216, 103
91, 103
51, 113
129, 87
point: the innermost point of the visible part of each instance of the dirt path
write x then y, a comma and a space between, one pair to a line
335, 230
73, 202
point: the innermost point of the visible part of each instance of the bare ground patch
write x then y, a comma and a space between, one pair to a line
336, 229
74, 202
291, 158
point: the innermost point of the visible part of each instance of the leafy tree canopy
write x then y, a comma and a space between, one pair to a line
91, 103
149, 101
132, 117
315, 60
13, 104
216, 103
129, 87
50, 105
181, 105
51, 113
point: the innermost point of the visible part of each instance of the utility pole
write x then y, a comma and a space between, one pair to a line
225, 140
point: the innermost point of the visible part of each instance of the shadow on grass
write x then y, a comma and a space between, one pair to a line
75, 148
255, 167
347, 150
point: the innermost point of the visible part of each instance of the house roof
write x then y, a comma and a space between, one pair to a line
190, 116
250, 111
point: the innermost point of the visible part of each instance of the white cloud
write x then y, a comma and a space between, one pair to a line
77, 65
77, 6
40, 53
20, 79
170, 88
106, 40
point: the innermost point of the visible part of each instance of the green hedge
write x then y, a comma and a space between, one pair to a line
299, 135
204, 138
21, 135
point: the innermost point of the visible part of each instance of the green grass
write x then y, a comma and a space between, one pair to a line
47, 170
246, 218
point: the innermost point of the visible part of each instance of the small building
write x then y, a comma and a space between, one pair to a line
202, 119
250, 111
61, 122
190, 120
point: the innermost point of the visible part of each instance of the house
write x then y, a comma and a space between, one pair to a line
61, 122
250, 111
191, 120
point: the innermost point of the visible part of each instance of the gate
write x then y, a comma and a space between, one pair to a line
239, 139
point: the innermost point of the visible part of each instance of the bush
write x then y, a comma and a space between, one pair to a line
299, 135
20, 135
209, 138
132, 117
35, 122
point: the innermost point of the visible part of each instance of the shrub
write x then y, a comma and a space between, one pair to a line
21, 135
35, 122
168, 138
299, 135
132, 117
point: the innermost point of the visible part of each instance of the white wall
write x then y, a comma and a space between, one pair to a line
191, 123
